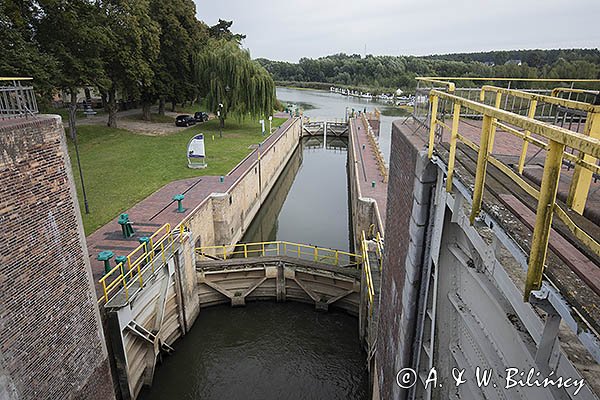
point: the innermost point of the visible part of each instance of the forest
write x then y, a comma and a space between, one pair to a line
392, 72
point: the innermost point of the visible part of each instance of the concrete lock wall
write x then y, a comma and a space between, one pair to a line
451, 295
51, 341
173, 292
364, 210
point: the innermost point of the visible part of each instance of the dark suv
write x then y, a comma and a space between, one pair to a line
185, 120
201, 116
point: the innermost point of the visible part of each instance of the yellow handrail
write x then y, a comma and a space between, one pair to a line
557, 139
325, 255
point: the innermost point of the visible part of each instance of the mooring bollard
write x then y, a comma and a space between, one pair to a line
121, 260
179, 198
373, 184
221, 179
363, 146
105, 256
126, 226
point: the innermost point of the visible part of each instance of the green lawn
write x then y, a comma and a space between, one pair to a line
154, 117
121, 168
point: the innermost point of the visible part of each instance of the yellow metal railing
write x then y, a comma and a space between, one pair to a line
367, 272
324, 255
551, 138
383, 170
140, 263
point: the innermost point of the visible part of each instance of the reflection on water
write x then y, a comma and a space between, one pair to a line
333, 106
272, 350
314, 207
265, 351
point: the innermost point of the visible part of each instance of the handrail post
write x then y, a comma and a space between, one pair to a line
316, 254
582, 177
433, 100
245, 250
482, 158
453, 137
530, 114
543, 220
224, 252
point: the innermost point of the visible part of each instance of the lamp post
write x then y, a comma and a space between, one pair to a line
219, 114
73, 129
270, 124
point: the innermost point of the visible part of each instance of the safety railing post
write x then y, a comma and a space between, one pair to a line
453, 138
582, 177
316, 254
482, 158
543, 220
523, 157
433, 100
245, 250
224, 252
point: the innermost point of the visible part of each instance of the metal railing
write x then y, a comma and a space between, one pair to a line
16, 99
368, 275
338, 258
550, 138
515, 104
383, 169
141, 263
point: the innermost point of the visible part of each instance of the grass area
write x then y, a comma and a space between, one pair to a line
122, 168
401, 111
153, 118
304, 106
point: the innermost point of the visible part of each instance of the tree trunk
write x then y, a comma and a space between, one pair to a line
146, 110
161, 106
172, 105
112, 108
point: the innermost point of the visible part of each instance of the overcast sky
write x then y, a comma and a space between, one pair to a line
289, 30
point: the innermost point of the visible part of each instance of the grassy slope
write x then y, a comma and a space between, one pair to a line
122, 168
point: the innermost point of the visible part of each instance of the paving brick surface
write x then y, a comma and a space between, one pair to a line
369, 169
159, 209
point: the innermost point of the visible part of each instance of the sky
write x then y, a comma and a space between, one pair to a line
290, 30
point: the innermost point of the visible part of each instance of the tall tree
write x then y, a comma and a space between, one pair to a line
181, 36
131, 46
222, 30
233, 82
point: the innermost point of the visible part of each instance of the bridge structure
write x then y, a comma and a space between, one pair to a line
496, 265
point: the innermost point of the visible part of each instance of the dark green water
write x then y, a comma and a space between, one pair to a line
270, 350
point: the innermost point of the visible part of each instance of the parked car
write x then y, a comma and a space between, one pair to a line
201, 116
185, 120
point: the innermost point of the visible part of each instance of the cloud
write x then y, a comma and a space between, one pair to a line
313, 28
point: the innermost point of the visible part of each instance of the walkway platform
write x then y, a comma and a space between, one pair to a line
159, 208
572, 268
369, 169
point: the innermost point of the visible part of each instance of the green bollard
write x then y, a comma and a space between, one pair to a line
126, 226
373, 184
179, 198
122, 260
221, 179
105, 256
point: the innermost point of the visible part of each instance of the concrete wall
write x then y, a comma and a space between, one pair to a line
222, 218
364, 210
51, 340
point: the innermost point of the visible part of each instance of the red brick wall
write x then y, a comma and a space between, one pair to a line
404, 150
51, 341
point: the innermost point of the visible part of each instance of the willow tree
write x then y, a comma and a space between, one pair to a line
233, 83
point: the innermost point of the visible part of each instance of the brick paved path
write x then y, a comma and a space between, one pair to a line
368, 170
159, 208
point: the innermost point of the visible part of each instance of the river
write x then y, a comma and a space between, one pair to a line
281, 350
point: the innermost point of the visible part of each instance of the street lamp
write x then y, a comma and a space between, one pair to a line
219, 112
73, 131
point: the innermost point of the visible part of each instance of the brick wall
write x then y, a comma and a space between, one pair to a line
51, 341
404, 187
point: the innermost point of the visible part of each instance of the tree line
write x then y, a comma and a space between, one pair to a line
393, 72
141, 50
